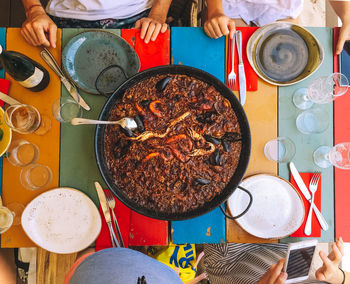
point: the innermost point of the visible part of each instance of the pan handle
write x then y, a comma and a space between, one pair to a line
245, 210
104, 71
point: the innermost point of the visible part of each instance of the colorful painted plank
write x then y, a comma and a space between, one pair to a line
48, 143
306, 144
2, 75
342, 134
192, 47
144, 230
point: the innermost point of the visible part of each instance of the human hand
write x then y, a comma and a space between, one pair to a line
274, 275
150, 27
344, 35
330, 271
218, 25
39, 29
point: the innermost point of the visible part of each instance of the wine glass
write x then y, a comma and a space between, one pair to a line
338, 156
323, 90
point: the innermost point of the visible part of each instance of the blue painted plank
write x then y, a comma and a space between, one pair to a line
345, 64
192, 47
2, 75
306, 144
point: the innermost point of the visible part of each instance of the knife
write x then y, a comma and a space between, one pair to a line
304, 190
50, 60
241, 75
106, 213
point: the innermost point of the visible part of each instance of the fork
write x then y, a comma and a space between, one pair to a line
232, 75
313, 188
111, 204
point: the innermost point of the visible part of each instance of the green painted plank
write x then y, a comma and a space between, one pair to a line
306, 144
78, 168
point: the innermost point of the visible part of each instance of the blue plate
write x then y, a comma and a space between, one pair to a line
88, 53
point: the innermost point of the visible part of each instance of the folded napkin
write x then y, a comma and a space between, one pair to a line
251, 76
315, 225
4, 88
123, 216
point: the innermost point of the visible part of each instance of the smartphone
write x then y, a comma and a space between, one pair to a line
299, 260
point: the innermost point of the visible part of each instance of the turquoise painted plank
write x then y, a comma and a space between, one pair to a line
192, 47
306, 144
2, 75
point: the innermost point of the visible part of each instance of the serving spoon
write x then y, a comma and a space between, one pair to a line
126, 122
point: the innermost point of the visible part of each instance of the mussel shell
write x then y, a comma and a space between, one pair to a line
121, 147
127, 132
231, 137
163, 83
145, 103
206, 117
225, 145
215, 159
211, 139
140, 126
201, 181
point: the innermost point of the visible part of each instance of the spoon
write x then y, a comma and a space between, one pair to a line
126, 122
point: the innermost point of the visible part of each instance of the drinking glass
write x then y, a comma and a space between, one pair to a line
281, 150
65, 109
6, 219
22, 118
35, 176
338, 156
323, 90
17, 210
315, 120
22, 153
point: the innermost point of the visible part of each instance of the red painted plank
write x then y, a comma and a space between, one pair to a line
251, 76
4, 88
341, 177
144, 230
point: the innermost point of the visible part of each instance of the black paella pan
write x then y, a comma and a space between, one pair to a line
221, 88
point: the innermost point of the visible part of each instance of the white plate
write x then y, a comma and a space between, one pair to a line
62, 220
277, 209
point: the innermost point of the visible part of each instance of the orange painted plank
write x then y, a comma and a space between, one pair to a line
261, 109
48, 144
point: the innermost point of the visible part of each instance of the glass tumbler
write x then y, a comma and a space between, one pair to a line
6, 219
35, 176
281, 150
22, 118
315, 120
65, 109
22, 153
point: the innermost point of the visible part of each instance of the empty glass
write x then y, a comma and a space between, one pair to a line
17, 210
22, 153
6, 219
65, 109
315, 120
338, 156
22, 118
35, 176
323, 90
281, 150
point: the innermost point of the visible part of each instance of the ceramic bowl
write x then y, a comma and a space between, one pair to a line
283, 53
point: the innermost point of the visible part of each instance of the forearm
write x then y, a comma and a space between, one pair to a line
160, 9
347, 277
214, 7
31, 6
342, 9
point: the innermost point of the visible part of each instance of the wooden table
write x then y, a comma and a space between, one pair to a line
69, 151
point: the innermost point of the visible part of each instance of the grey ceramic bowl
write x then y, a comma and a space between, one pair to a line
283, 53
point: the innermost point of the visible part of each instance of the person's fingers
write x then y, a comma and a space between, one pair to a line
343, 36
41, 37
28, 37
281, 278
320, 275
232, 28
211, 30
33, 35
144, 28
138, 24
224, 27
340, 245
326, 261
164, 28
217, 30
206, 30
337, 254
150, 30
156, 31
53, 35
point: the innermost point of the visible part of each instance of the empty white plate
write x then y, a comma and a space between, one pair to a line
62, 220
277, 209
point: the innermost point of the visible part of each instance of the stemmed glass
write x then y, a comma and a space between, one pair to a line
323, 90
338, 156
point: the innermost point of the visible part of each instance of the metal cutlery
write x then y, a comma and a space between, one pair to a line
50, 60
241, 74
111, 204
307, 195
313, 188
126, 122
106, 214
7, 99
232, 75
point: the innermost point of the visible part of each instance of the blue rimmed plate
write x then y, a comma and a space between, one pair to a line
90, 52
